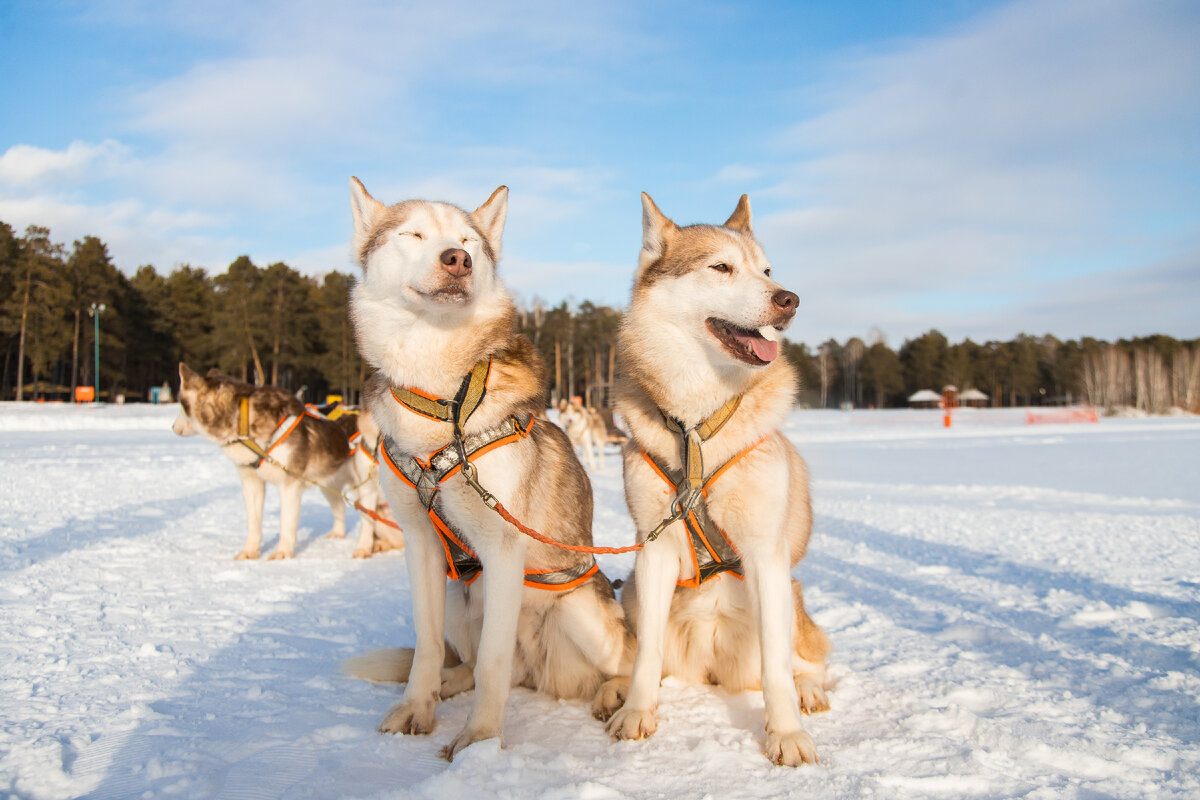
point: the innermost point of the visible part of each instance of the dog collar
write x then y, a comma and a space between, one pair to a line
691, 439
456, 410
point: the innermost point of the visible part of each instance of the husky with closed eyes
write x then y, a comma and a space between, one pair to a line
717, 492
458, 394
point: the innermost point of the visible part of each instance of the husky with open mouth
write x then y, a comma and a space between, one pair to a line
458, 394
717, 492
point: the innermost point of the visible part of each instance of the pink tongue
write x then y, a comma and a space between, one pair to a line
765, 349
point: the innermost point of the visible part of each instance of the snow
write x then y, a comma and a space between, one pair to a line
1013, 610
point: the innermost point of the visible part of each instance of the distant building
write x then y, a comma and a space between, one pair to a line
926, 398
973, 398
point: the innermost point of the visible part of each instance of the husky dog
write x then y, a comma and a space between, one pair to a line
457, 394
586, 430
272, 438
374, 536
703, 393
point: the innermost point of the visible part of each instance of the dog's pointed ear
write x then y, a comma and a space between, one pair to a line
186, 374
490, 217
366, 210
657, 230
739, 220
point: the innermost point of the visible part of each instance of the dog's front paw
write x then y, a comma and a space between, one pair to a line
632, 723
468, 737
279, 555
361, 553
791, 749
408, 719
812, 694
336, 535
610, 697
246, 555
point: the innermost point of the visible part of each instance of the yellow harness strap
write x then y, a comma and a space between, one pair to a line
691, 439
243, 431
455, 411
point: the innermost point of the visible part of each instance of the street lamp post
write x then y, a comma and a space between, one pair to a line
94, 312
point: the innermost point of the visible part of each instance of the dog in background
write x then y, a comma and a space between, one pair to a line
586, 430
374, 536
270, 437
458, 394
704, 392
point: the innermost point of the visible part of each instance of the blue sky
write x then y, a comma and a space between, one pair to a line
985, 168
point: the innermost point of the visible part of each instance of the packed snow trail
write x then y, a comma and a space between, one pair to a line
1013, 611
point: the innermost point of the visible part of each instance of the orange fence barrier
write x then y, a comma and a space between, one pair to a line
1061, 415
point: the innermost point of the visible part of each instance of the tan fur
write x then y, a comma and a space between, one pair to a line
316, 453
671, 364
586, 430
374, 536
422, 328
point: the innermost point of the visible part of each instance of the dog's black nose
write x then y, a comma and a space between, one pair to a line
457, 261
786, 301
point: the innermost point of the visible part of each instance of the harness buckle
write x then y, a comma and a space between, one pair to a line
471, 476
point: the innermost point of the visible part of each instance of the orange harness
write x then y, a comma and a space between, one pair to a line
358, 444
286, 425
712, 554
426, 476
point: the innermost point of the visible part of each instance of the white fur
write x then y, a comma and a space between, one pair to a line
416, 339
681, 631
291, 489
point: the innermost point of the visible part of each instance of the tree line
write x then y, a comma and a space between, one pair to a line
274, 325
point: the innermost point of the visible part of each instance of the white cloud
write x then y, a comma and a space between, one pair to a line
24, 165
134, 234
952, 177
738, 173
255, 102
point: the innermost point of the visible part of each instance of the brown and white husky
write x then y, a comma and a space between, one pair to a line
704, 392
272, 438
585, 428
453, 378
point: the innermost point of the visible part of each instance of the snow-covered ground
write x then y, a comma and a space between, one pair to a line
1013, 609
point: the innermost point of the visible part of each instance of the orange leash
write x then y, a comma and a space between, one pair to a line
373, 515
503, 512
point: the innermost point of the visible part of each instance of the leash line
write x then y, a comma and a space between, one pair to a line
353, 503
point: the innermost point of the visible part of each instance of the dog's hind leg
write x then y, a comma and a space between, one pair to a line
254, 492
811, 647
290, 494
368, 498
339, 513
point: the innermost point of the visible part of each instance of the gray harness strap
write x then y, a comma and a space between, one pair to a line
712, 550
461, 562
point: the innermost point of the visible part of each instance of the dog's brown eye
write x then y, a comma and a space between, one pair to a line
720, 267
413, 234
767, 272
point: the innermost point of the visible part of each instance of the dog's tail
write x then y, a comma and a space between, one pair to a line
389, 665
